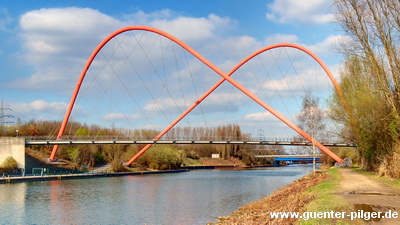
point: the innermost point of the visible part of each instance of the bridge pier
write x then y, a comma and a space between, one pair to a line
14, 147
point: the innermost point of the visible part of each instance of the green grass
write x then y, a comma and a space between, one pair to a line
393, 183
326, 201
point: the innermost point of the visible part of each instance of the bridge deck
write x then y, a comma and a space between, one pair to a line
124, 142
287, 156
296, 159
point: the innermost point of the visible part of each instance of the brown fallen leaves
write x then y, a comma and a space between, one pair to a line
287, 199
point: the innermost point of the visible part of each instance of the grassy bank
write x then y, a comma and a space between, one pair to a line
325, 200
290, 198
393, 183
312, 193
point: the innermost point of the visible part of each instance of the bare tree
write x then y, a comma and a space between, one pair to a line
311, 117
374, 26
371, 81
311, 120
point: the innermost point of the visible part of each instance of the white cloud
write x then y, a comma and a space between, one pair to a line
329, 45
57, 42
39, 106
187, 29
281, 38
294, 11
193, 29
63, 21
38, 110
261, 116
297, 83
154, 127
143, 18
42, 110
168, 103
225, 52
215, 102
119, 116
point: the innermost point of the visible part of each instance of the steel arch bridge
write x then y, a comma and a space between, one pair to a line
224, 77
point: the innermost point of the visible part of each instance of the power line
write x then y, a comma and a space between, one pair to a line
4, 115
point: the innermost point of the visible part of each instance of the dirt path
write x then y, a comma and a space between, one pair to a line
369, 195
101, 169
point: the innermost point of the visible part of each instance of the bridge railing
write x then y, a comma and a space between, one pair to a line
177, 142
181, 138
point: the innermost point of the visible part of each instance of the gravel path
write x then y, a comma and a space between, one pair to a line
369, 195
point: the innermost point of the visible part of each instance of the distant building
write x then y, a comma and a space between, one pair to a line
215, 156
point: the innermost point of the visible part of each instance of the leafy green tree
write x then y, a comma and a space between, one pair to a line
369, 119
370, 82
82, 132
73, 154
162, 157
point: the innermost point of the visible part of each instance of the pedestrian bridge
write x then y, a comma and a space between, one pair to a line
128, 142
291, 157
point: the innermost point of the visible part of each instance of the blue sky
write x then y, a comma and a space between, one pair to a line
45, 45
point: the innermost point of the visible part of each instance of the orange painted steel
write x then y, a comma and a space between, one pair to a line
293, 126
218, 71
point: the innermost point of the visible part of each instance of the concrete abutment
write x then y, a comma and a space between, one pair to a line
14, 147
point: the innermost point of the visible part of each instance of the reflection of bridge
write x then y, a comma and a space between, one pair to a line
177, 142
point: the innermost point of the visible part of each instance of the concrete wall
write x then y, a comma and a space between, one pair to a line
15, 147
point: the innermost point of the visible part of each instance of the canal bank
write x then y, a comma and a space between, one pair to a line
19, 179
345, 191
291, 198
37, 170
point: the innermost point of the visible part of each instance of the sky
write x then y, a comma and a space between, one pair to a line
45, 44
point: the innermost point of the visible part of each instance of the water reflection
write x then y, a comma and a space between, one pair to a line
196, 197
12, 202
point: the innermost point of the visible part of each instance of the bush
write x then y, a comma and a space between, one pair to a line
162, 158
247, 157
342, 153
9, 164
73, 154
99, 158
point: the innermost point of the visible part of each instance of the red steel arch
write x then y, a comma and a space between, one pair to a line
270, 109
225, 76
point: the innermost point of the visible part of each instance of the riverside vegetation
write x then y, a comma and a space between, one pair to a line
369, 80
9, 165
159, 157
316, 192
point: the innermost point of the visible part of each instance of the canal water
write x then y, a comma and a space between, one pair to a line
196, 197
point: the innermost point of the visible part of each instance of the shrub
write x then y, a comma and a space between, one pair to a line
247, 157
99, 158
9, 164
73, 154
162, 157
